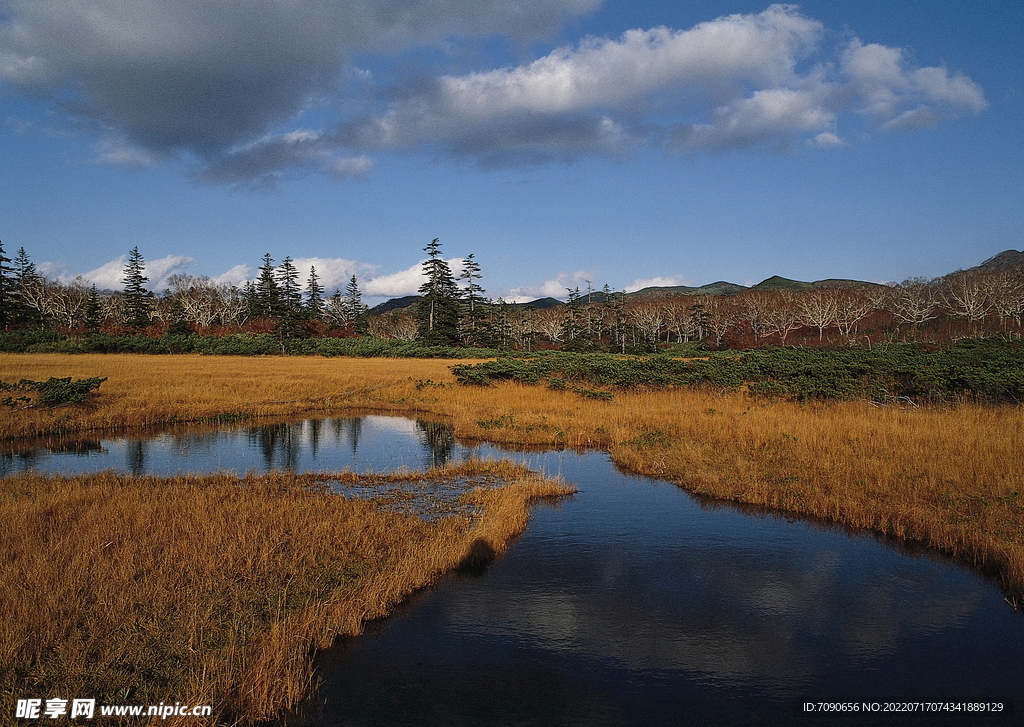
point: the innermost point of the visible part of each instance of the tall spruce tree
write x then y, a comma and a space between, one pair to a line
288, 284
264, 295
138, 300
28, 283
355, 311
437, 311
314, 296
93, 310
292, 312
475, 319
8, 292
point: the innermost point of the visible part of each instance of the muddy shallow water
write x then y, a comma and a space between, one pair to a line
631, 603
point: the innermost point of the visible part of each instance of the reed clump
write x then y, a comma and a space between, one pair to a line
215, 589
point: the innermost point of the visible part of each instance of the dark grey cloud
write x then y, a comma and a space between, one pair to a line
198, 76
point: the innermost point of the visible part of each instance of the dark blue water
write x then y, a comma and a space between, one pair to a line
631, 603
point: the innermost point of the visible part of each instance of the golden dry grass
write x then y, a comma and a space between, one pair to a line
947, 476
214, 589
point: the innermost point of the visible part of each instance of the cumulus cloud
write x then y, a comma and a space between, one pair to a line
404, 282
655, 282
230, 85
736, 82
334, 272
825, 140
887, 89
237, 275
556, 287
110, 276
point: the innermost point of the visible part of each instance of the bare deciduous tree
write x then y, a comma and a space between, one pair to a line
1006, 291
913, 301
676, 311
550, 322
64, 303
819, 309
399, 324
852, 305
648, 319
964, 294
784, 315
721, 315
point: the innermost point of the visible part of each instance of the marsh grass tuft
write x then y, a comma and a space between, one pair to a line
215, 589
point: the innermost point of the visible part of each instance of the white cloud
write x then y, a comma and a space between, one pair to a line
759, 49
556, 287
826, 139
736, 82
110, 275
656, 282
395, 285
887, 90
237, 275
768, 116
264, 162
404, 282
121, 154
333, 272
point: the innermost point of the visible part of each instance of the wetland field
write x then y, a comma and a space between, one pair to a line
274, 564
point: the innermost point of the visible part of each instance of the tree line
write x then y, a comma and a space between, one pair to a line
452, 310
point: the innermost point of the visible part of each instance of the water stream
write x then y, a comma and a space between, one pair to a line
631, 603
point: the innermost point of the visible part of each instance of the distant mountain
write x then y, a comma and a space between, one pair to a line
393, 304
1005, 259
542, 303
719, 288
777, 282
843, 283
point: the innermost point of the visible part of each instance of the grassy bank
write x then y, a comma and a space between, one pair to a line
947, 475
214, 589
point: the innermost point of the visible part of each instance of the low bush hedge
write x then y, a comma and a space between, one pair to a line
982, 369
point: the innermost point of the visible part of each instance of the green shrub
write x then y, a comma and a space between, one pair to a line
983, 370
52, 392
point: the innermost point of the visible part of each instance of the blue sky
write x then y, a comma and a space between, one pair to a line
625, 143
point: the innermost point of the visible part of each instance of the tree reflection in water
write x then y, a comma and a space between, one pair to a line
438, 440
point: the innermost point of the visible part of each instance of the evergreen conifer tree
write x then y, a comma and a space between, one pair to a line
314, 296
27, 283
138, 300
476, 314
8, 292
93, 311
437, 311
288, 285
355, 311
264, 295
291, 311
